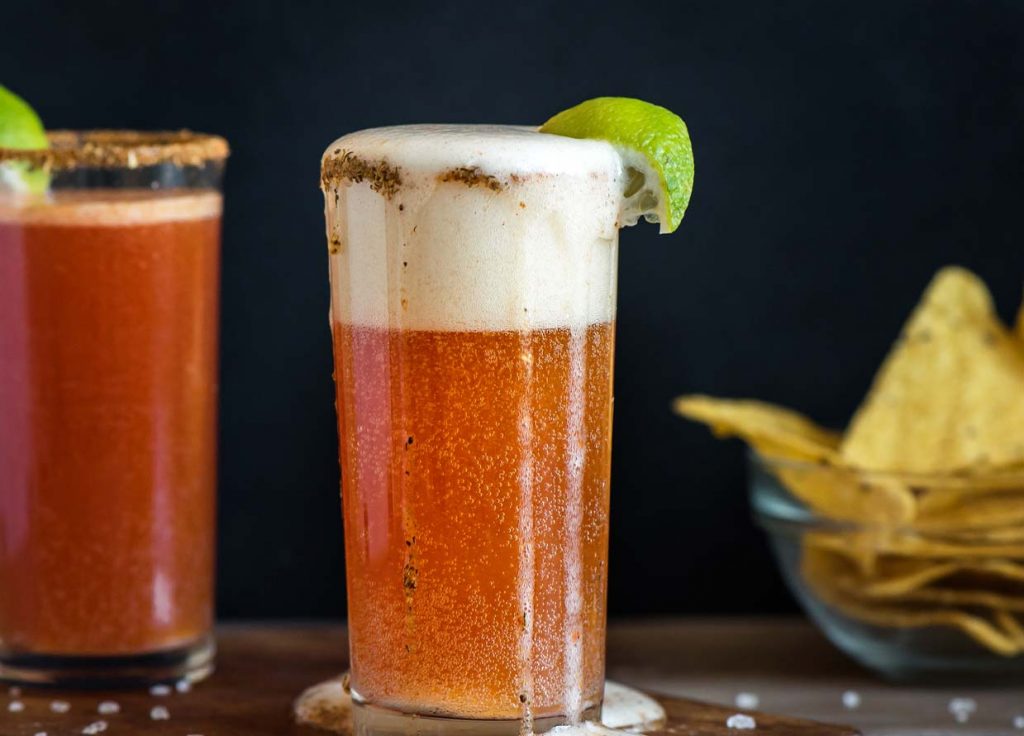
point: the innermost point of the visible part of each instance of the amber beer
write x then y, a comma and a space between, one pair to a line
473, 322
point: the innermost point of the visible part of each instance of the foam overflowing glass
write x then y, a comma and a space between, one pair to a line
473, 281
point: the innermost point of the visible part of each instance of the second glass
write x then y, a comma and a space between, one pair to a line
473, 274
108, 418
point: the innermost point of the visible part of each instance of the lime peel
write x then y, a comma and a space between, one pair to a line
654, 145
21, 130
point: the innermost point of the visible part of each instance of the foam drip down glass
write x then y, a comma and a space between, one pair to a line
108, 383
473, 280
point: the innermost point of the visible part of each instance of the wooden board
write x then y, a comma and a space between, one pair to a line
695, 718
262, 669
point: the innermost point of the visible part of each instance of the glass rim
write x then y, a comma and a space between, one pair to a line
121, 149
989, 478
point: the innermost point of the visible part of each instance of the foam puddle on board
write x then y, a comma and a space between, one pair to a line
329, 706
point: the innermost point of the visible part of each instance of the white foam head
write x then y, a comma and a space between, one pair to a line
472, 228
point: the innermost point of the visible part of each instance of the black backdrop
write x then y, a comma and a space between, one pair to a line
844, 151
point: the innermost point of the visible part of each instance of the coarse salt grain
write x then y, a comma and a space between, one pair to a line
15, 706
741, 722
108, 707
962, 708
183, 686
94, 728
1018, 723
747, 701
41, 733
160, 691
851, 700
965, 704
60, 706
159, 713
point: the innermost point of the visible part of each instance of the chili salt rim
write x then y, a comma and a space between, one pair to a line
130, 149
342, 164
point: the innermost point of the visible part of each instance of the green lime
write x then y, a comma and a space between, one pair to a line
654, 144
21, 129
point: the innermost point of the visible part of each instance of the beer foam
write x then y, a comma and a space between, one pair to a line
472, 228
111, 207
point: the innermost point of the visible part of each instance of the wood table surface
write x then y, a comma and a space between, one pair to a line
785, 662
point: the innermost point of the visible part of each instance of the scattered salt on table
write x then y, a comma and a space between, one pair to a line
741, 722
159, 713
60, 706
747, 701
1018, 723
160, 691
108, 707
15, 706
962, 708
851, 700
95, 728
183, 686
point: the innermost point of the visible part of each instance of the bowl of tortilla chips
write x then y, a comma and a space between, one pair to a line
903, 536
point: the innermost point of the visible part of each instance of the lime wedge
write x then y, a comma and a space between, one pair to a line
21, 129
655, 148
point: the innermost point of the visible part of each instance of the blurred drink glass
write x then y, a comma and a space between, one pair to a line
108, 383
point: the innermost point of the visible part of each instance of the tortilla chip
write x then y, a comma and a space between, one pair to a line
855, 544
950, 395
899, 576
937, 498
838, 574
914, 545
972, 512
1002, 536
963, 599
769, 429
820, 571
981, 630
839, 494
895, 576
1009, 623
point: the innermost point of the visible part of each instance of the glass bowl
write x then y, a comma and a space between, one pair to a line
914, 577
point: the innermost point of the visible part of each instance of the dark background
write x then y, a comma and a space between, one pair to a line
844, 152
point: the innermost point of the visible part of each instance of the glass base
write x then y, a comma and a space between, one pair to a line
373, 720
193, 662
331, 706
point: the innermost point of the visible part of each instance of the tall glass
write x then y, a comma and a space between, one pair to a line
108, 383
473, 274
